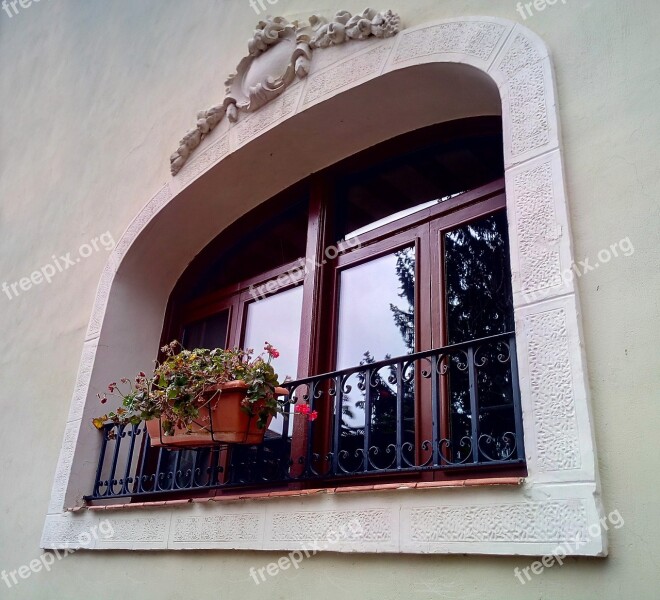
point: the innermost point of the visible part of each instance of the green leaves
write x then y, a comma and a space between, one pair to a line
179, 387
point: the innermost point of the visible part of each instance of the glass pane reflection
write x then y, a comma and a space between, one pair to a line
277, 319
479, 304
208, 333
376, 321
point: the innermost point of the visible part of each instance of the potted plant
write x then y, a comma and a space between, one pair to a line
201, 397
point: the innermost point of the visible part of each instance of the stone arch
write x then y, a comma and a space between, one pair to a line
294, 135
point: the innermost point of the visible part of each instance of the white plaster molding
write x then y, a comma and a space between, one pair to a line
434, 521
251, 126
523, 73
468, 40
64, 531
539, 230
205, 159
356, 69
561, 494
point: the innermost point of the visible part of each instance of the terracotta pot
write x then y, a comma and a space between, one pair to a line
198, 435
230, 424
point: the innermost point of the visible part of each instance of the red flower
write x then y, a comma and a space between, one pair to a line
313, 415
112, 387
302, 409
272, 352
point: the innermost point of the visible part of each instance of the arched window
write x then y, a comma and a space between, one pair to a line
385, 283
419, 407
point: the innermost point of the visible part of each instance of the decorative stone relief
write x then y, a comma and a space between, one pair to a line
284, 106
142, 529
345, 27
555, 420
65, 531
374, 525
520, 55
523, 73
205, 159
473, 38
537, 229
222, 528
520, 522
278, 53
363, 65
529, 112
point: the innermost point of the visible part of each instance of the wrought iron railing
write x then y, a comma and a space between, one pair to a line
373, 421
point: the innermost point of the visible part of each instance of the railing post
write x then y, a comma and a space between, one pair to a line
115, 457
129, 460
474, 404
337, 421
399, 413
367, 419
435, 410
99, 468
515, 389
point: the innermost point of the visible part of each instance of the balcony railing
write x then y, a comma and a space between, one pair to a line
455, 407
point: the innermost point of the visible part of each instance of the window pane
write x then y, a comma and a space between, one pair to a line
207, 333
277, 319
479, 304
376, 309
478, 280
396, 188
376, 321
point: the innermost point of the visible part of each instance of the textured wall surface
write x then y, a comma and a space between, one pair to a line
93, 98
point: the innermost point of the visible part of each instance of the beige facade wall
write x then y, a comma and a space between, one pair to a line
93, 99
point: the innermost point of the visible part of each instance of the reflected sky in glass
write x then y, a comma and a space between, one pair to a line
370, 295
366, 319
276, 319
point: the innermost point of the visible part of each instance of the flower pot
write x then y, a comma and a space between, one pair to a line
232, 425
222, 421
199, 434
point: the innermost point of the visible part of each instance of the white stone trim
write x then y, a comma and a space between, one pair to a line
559, 499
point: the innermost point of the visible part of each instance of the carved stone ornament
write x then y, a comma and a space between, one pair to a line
278, 52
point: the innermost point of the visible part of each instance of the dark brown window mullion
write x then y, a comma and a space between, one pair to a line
439, 329
424, 323
315, 331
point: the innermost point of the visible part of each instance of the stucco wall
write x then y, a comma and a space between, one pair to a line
94, 97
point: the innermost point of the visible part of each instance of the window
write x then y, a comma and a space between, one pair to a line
384, 281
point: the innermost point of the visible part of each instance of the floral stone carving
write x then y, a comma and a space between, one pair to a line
278, 53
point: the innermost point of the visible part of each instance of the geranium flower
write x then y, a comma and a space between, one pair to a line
272, 352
